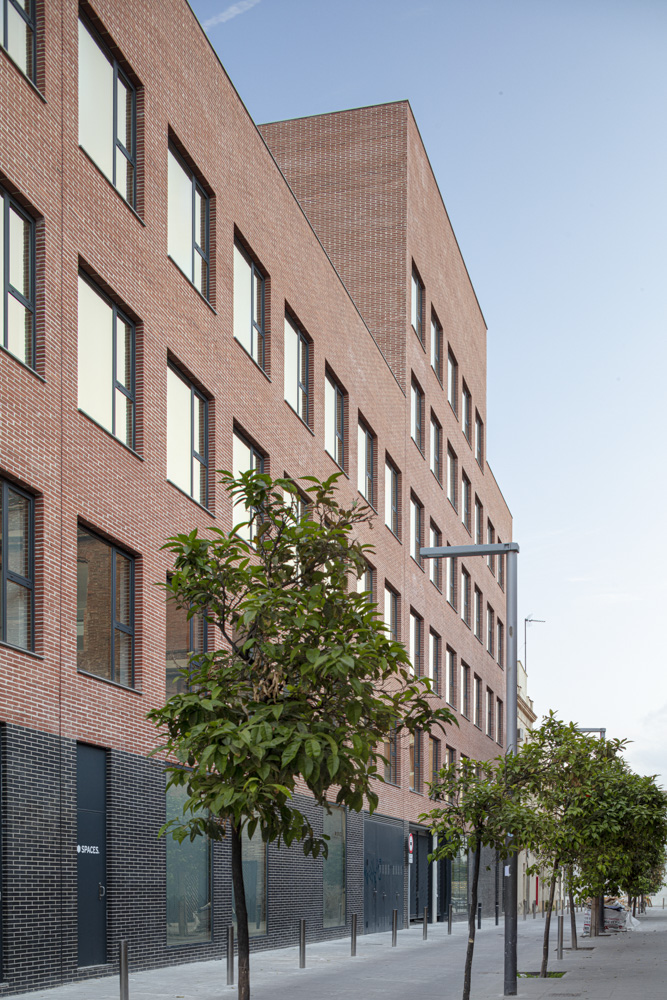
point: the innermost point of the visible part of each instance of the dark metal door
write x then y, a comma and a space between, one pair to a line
383, 875
91, 855
419, 876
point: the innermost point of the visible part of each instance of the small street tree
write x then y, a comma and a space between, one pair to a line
305, 687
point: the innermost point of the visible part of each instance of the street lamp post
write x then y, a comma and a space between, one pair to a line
511, 550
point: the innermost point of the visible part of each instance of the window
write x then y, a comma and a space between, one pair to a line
188, 224
416, 637
391, 497
334, 419
477, 700
107, 114
478, 613
188, 880
254, 854
500, 642
417, 305
490, 630
433, 759
183, 638
436, 449
297, 371
465, 501
490, 540
245, 458
249, 290
452, 569
390, 752
17, 278
479, 440
366, 463
499, 722
187, 436
333, 867
366, 583
417, 415
17, 566
467, 412
452, 382
435, 568
465, 595
416, 529
465, 690
434, 646
391, 617
106, 362
479, 521
436, 348
450, 677
104, 609
501, 569
489, 713
415, 755
452, 475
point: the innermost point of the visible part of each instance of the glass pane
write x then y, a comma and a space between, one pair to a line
124, 176
303, 378
330, 417
19, 603
123, 610
95, 355
361, 460
177, 647
200, 279
93, 611
188, 881
19, 253
179, 437
258, 299
2, 259
199, 424
254, 883
19, 41
17, 551
19, 330
124, 419
123, 658
241, 462
180, 215
199, 481
340, 426
242, 300
124, 115
291, 366
201, 216
95, 102
123, 353
333, 902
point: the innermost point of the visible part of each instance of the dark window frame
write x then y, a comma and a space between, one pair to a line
417, 761
479, 440
394, 527
419, 329
452, 458
436, 659
10, 576
191, 631
31, 21
418, 665
395, 611
466, 407
436, 564
339, 424
9, 289
478, 613
466, 494
500, 643
435, 760
260, 329
418, 537
465, 597
203, 459
369, 473
451, 664
391, 766
490, 631
204, 253
419, 414
465, 694
436, 351
303, 344
437, 448
451, 357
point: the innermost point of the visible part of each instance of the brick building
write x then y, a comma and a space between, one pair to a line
184, 292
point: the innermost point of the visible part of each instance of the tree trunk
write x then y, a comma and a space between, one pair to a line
573, 921
241, 916
471, 924
547, 923
634, 906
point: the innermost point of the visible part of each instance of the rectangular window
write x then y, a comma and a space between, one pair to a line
450, 677
434, 647
107, 113
490, 540
17, 566
433, 759
390, 752
391, 617
452, 476
465, 501
104, 609
245, 458
416, 529
188, 223
489, 713
479, 522
501, 569
417, 415
479, 441
417, 305
416, 642
435, 568
366, 463
465, 596
467, 412
391, 496
452, 382
477, 700
17, 278
183, 638
249, 291
188, 880
106, 363
366, 583
478, 613
490, 630
452, 572
187, 436
499, 722
297, 371
500, 642
465, 690
436, 449
254, 853
436, 348
415, 752
333, 867
334, 419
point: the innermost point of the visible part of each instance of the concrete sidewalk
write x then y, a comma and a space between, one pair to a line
614, 968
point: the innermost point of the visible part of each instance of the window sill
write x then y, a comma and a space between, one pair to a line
452, 606
421, 340
201, 506
300, 418
327, 452
438, 377
481, 466
107, 680
112, 185
255, 363
418, 447
367, 502
22, 364
393, 533
467, 528
392, 784
453, 505
21, 649
437, 587
438, 481
191, 284
415, 792
416, 563
109, 434
23, 74
453, 410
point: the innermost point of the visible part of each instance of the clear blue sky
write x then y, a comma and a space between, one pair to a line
545, 124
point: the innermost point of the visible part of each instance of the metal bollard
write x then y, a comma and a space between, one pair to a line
353, 938
559, 950
302, 944
543, 909
230, 955
479, 916
394, 928
425, 927
497, 913
449, 918
123, 970
534, 910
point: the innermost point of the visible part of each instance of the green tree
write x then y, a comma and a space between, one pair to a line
307, 684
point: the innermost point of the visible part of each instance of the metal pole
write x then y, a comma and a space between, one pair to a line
353, 939
511, 702
302, 944
497, 909
479, 916
425, 927
230, 955
534, 909
449, 918
434, 882
561, 921
525, 908
601, 917
394, 928
123, 970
